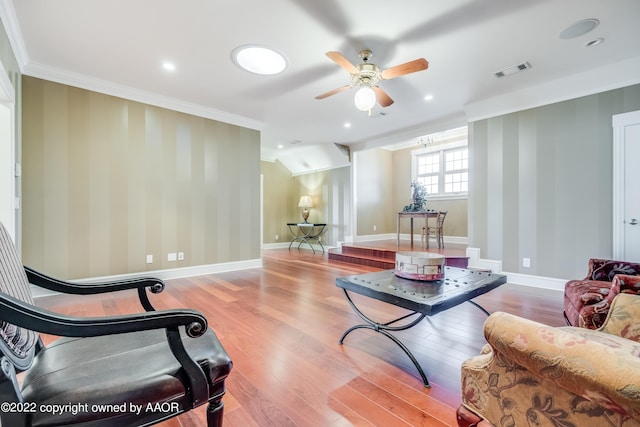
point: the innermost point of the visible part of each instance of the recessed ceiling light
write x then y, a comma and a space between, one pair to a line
259, 59
347, 125
280, 146
428, 97
579, 28
594, 42
169, 66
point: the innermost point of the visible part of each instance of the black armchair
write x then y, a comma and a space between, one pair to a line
130, 370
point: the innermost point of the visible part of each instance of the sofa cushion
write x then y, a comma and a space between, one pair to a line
608, 269
586, 302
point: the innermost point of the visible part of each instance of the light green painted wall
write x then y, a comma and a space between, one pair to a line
107, 181
541, 184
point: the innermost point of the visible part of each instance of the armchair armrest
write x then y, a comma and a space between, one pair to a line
623, 318
89, 288
600, 367
31, 317
28, 316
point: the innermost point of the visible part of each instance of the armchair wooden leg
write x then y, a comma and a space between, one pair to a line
466, 418
215, 410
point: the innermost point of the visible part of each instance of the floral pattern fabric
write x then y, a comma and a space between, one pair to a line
587, 301
531, 374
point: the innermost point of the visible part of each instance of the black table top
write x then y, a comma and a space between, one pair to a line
458, 286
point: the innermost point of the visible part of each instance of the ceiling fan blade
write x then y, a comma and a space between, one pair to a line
406, 68
333, 92
339, 59
383, 99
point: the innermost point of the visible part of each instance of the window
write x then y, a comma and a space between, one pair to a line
444, 172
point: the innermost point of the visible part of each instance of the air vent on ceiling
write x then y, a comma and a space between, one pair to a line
512, 70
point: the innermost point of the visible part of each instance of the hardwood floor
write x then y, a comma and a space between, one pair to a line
281, 324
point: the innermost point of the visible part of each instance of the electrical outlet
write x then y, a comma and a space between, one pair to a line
526, 262
149, 259
171, 256
374, 228
277, 237
180, 256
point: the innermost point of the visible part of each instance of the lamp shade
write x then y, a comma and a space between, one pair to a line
365, 98
305, 202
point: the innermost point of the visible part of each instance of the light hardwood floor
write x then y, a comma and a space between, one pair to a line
281, 324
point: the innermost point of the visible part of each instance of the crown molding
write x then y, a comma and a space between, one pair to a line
82, 81
14, 34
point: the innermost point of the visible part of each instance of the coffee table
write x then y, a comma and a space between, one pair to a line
420, 298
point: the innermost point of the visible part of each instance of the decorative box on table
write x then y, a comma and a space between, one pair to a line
420, 266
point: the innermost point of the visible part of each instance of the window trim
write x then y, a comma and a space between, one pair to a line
433, 149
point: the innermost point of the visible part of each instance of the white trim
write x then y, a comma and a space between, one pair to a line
619, 122
114, 89
14, 34
280, 245
168, 274
474, 261
539, 282
458, 240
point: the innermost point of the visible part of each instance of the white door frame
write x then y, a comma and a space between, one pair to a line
7, 153
619, 122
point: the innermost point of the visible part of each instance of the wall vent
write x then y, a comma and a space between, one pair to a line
512, 70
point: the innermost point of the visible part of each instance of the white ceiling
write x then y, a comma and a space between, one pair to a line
118, 47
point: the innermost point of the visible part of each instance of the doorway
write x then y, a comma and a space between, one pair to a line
626, 185
7, 154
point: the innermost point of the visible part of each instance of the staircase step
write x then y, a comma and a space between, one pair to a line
381, 258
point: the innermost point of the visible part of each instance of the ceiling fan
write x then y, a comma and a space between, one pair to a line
367, 75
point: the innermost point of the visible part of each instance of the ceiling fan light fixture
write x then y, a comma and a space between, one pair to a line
259, 59
365, 98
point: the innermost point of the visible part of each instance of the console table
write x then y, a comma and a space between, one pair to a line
305, 232
426, 215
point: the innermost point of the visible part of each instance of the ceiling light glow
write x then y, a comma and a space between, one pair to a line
428, 97
169, 66
259, 59
365, 98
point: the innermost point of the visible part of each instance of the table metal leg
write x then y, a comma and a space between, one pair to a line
480, 307
383, 329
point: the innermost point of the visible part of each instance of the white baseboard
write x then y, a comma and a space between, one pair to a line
540, 282
168, 274
281, 245
516, 278
461, 240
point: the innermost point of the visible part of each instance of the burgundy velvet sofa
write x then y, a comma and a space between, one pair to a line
587, 301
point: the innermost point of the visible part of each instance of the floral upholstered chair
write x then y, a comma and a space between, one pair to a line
587, 301
530, 374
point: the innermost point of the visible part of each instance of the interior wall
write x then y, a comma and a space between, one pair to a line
279, 202
541, 184
330, 191
108, 181
374, 178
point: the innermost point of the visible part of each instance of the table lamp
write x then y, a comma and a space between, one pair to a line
305, 203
